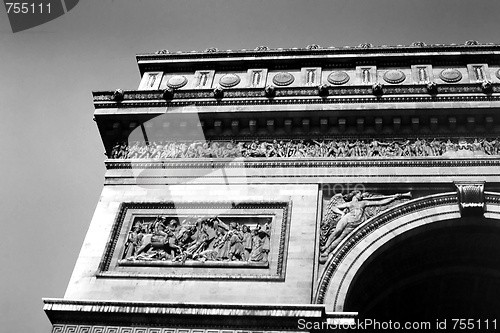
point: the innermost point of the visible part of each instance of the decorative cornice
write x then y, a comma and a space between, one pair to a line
117, 316
262, 51
300, 95
54, 304
258, 163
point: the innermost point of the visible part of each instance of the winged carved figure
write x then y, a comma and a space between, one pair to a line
344, 213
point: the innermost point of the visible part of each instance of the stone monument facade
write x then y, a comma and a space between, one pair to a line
250, 190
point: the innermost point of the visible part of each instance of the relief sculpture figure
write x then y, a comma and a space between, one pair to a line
344, 213
197, 239
332, 148
134, 240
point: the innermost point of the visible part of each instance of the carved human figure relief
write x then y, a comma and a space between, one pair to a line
345, 212
197, 239
381, 148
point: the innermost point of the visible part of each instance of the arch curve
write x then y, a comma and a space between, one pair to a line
345, 261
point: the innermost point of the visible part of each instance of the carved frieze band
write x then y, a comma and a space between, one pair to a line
308, 148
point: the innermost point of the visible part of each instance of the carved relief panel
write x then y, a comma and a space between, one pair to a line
393, 76
228, 80
450, 74
198, 240
366, 75
478, 72
339, 77
342, 213
151, 81
311, 76
203, 79
177, 81
422, 74
256, 78
285, 78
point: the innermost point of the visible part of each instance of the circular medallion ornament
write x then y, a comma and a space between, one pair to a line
394, 76
283, 79
498, 74
338, 77
177, 81
450, 75
229, 80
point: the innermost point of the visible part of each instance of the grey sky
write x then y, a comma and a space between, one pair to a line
52, 157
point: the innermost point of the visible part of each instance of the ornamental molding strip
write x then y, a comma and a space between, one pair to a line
416, 162
150, 317
270, 219
365, 48
300, 95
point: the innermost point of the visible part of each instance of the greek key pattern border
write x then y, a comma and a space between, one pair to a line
68, 328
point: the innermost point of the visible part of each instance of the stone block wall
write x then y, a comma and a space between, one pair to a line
299, 263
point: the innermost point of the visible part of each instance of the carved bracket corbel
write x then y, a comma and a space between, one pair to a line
470, 198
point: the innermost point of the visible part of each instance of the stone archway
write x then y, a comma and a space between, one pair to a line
357, 277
